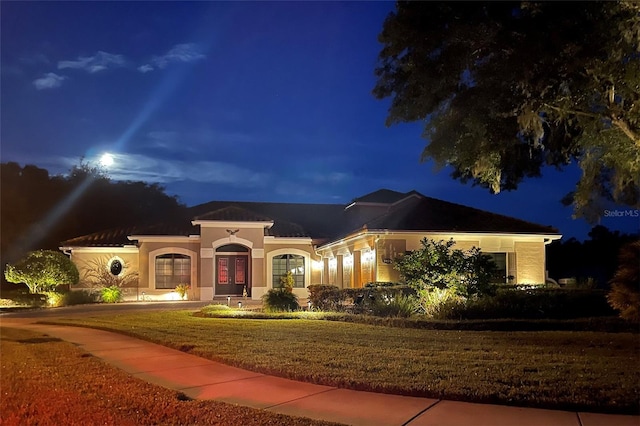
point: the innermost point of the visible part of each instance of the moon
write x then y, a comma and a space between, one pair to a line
106, 160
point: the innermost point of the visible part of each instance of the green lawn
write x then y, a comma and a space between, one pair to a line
556, 369
46, 381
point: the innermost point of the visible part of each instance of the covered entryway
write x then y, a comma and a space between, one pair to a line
232, 270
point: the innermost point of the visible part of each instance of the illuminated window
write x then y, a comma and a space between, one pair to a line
284, 263
172, 269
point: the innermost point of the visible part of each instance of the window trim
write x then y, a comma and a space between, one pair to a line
506, 262
289, 257
278, 252
172, 250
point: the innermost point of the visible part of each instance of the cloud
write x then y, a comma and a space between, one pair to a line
93, 64
49, 81
163, 139
150, 169
186, 52
145, 68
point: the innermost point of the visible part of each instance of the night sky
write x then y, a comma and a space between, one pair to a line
229, 101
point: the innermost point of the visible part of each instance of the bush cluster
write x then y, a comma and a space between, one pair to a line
280, 300
378, 298
509, 302
112, 294
48, 298
539, 303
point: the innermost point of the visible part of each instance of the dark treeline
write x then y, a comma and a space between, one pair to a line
595, 258
38, 211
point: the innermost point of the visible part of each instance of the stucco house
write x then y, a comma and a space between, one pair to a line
228, 248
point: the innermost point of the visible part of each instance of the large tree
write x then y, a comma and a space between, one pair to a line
505, 88
40, 211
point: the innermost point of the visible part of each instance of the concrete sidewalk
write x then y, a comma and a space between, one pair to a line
200, 378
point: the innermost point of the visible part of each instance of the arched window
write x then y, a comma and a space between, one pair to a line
284, 263
172, 269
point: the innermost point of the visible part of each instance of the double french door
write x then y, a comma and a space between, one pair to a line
232, 274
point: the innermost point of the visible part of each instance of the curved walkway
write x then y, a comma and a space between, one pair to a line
200, 378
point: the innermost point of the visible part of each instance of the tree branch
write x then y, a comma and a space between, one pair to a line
620, 124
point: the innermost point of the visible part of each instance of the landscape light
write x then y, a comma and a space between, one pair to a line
228, 300
240, 305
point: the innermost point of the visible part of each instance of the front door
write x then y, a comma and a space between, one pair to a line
232, 275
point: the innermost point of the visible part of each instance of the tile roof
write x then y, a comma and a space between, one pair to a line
234, 213
324, 222
118, 237
382, 196
431, 214
317, 220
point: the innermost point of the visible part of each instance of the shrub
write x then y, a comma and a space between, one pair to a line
111, 294
215, 308
42, 270
624, 295
23, 298
357, 300
437, 265
183, 290
7, 303
54, 299
438, 303
79, 297
538, 303
325, 297
398, 306
280, 300
287, 281
375, 284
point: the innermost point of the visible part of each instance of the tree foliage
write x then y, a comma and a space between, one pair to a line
596, 257
624, 295
42, 270
437, 265
506, 88
40, 211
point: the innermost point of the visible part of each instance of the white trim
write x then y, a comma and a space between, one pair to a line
232, 224
307, 265
121, 250
165, 238
119, 259
231, 239
455, 234
287, 240
206, 253
168, 250
257, 254
233, 253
